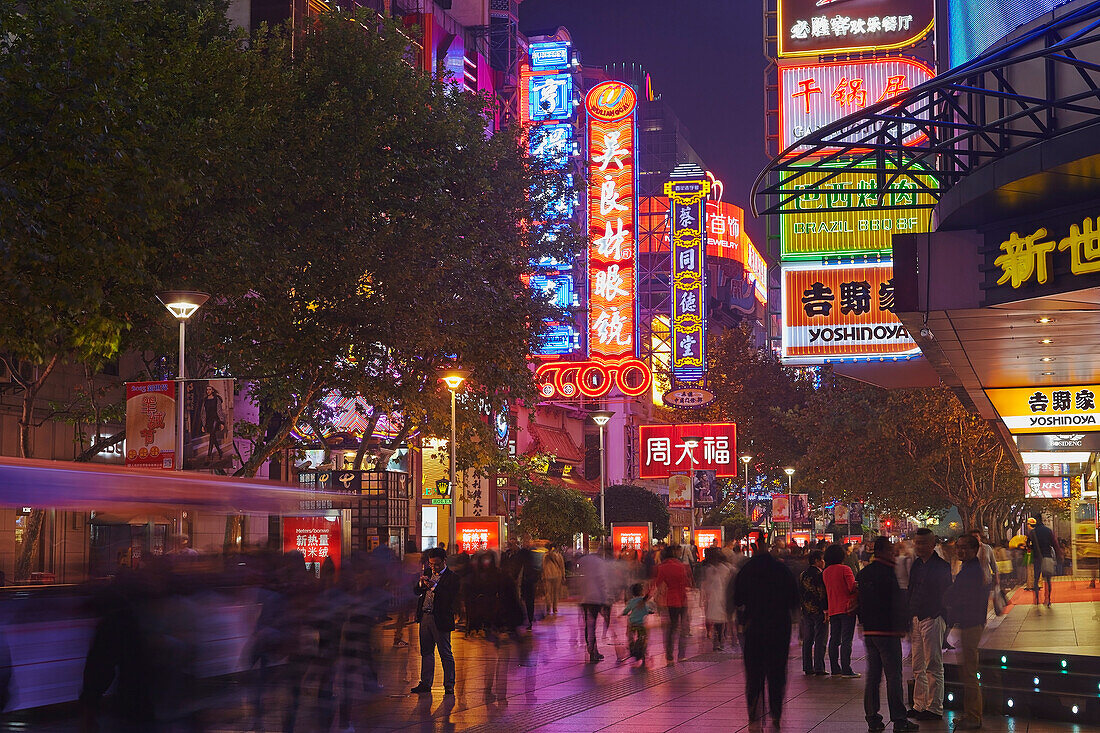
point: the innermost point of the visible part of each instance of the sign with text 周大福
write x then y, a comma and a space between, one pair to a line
1069, 409
841, 313
664, 452
847, 216
815, 27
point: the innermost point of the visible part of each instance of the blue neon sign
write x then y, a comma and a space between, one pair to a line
551, 97
552, 145
550, 55
558, 338
556, 286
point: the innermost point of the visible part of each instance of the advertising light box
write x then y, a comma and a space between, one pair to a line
316, 538
550, 55
1070, 409
1047, 487
816, 27
477, 534
846, 217
664, 453
633, 535
812, 96
707, 537
841, 313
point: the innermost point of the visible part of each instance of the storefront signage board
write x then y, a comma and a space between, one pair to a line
1065, 409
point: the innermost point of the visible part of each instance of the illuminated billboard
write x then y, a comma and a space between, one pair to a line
816, 27
812, 96
631, 536
664, 452
479, 534
550, 55
687, 223
1047, 487
841, 313
975, 26
1070, 409
612, 221
815, 225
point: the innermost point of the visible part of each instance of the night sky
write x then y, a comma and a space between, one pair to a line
706, 59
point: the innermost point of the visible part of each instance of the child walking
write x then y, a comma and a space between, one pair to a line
637, 608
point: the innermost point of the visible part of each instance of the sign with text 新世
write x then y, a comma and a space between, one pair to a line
841, 313
816, 27
687, 223
812, 96
1069, 409
1062, 255
664, 453
612, 219
845, 216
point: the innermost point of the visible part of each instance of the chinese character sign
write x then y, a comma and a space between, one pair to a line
1055, 255
611, 219
687, 223
316, 538
664, 452
476, 535
812, 96
707, 537
841, 312
816, 27
1068, 409
631, 536
679, 491
781, 508
151, 424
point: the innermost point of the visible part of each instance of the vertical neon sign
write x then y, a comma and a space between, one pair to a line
687, 192
612, 217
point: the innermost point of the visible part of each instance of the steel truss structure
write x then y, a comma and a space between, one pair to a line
1042, 85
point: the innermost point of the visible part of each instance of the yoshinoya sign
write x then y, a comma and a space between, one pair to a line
816, 27
841, 313
1069, 409
812, 96
1073, 441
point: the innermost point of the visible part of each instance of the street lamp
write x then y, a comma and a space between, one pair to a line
747, 459
692, 442
601, 418
453, 378
790, 491
182, 304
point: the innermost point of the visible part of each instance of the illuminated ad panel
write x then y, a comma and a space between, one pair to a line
816, 27
687, 224
634, 536
611, 220
664, 452
811, 227
812, 96
550, 55
1070, 409
841, 313
1047, 487
479, 534
727, 238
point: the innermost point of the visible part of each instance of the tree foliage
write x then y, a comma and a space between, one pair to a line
556, 514
628, 503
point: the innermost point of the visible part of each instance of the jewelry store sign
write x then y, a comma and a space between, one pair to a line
1047, 409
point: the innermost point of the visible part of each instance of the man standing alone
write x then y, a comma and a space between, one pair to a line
884, 613
929, 577
435, 611
967, 602
814, 602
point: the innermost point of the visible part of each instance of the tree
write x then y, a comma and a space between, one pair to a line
731, 517
557, 514
628, 503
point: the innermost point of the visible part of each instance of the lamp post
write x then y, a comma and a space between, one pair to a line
182, 304
790, 491
692, 442
453, 378
747, 459
601, 418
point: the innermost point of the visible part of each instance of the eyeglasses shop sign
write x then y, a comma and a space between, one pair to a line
1047, 409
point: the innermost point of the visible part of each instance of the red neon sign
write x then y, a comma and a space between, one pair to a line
569, 379
611, 220
630, 536
475, 535
664, 452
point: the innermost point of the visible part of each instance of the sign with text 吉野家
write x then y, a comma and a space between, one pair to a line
1064, 254
846, 216
151, 424
841, 313
664, 452
1047, 487
634, 536
687, 223
817, 27
1070, 409
612, 214
812, 96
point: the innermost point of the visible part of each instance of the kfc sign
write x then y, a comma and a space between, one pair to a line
663, 451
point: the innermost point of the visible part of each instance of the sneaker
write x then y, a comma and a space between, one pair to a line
851, 675
906, 725
876, 726
927, 715
421, 690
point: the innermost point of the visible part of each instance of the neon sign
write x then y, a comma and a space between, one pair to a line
551, 97
592, 379
664, 451
550, 56
612, 215
687, 215
815, 27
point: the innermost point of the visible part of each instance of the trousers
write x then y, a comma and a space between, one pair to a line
927, 636
814, 633
431, 639
883, 657
765, 663
842, 627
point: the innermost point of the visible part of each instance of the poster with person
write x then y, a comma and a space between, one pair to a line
208, 425
800, 511
855, 518
706, 488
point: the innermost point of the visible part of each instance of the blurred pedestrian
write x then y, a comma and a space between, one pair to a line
435, 612
672, 582
592, 590
553, 575
766, 597
1044, 550
815, 601
929, 578
840, 586
967, 602
637, 635
884, 613
715, 578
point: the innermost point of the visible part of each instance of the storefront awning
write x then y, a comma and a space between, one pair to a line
556, 442
577, 483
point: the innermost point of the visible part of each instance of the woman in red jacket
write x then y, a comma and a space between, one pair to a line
840, 585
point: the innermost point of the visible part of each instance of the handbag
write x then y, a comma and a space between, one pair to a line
1048, 566
999, 601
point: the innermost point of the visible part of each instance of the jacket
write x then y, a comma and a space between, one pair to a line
883, 608
445, 601
676, 578
928, 579
967, 599
840, 584
815, 599
765, 595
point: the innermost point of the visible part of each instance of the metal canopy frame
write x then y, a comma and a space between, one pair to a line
971, 117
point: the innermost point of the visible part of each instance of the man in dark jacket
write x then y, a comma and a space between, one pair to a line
765, 596
967, 603
929, 577
815, 601
435, 611
884, 612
